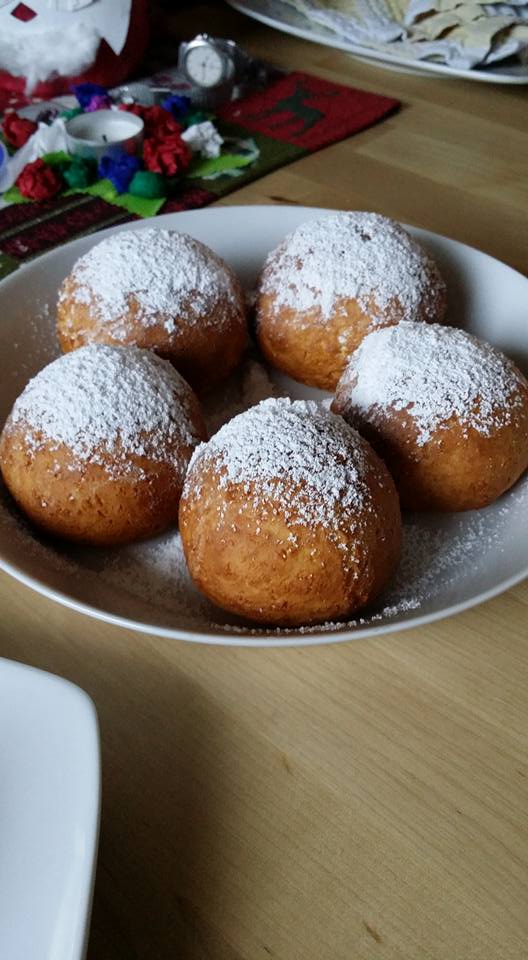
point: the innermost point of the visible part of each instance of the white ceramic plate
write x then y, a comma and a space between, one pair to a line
285, 18
451, 562
49, 814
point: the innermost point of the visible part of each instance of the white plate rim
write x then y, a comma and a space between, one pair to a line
291, 639
247, 639
316, 34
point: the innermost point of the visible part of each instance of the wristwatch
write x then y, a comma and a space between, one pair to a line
213, 67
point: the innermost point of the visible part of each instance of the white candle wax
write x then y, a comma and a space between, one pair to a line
103, 133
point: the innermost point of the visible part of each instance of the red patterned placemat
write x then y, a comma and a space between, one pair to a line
296, 115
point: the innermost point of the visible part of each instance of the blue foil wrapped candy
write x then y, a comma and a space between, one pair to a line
119, 170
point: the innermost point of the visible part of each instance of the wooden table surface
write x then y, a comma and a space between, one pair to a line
364, 800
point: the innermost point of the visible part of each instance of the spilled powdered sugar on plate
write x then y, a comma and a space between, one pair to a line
149, 581
361, 256
33, 351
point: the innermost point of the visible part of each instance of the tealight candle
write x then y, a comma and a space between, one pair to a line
103, 133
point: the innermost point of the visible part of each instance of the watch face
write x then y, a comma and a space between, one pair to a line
206, 66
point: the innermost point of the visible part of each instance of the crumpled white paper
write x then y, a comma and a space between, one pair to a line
48, 138
203, 138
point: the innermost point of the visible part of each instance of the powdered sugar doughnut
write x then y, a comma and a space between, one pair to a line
161, 290
331, 282
447, 412
288, 517
96, 447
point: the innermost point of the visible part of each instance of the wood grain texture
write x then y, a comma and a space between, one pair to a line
365, 800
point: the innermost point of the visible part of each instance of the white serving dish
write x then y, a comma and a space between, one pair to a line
49, 814
282, 17
471, 556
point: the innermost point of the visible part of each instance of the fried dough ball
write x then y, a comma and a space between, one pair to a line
288, 517
157, 289
447, 412
331, 282
96, 447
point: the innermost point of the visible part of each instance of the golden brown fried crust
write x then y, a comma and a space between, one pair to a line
104, 503
315, 351
205, 350
457, 468
244, 555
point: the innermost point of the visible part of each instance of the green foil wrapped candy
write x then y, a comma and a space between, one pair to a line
69, 114
79, 174
149, 185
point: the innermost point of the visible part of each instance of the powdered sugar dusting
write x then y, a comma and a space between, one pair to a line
435, 373
149, 581
156, 572
353, 255
436, 557
162, 272
107, 400
295, 453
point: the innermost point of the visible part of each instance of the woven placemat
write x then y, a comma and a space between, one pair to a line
296, 115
